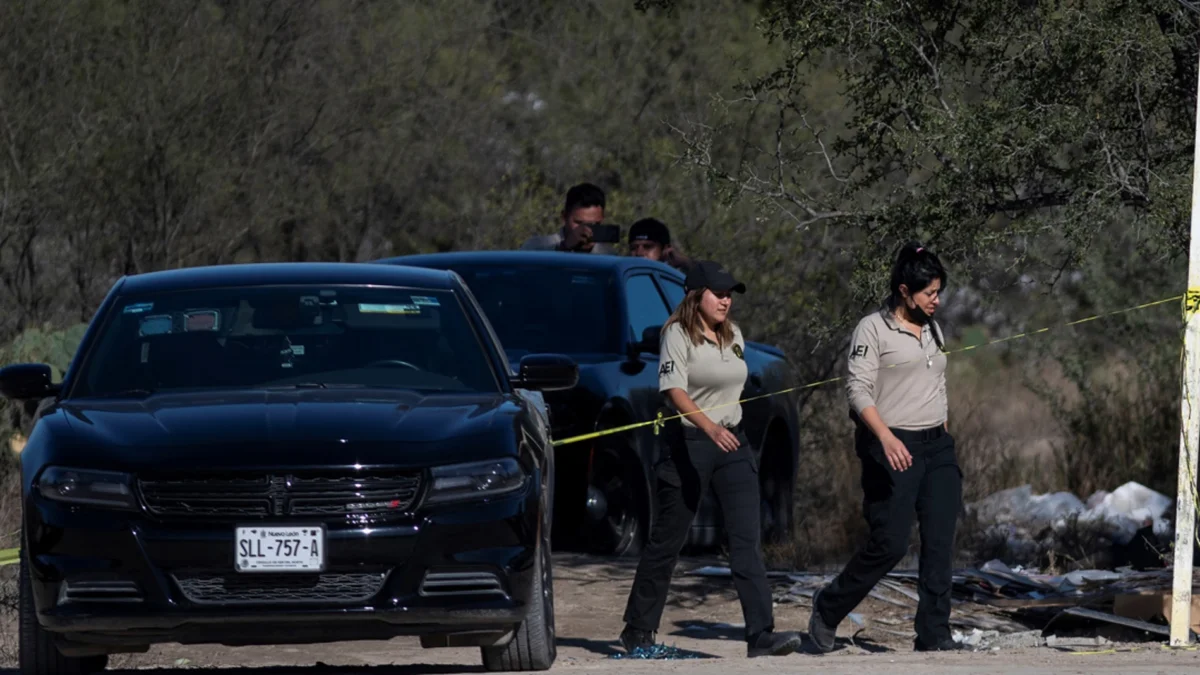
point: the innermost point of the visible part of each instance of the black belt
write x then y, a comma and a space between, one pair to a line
920, 435
696, 431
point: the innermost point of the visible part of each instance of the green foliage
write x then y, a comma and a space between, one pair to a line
55, 348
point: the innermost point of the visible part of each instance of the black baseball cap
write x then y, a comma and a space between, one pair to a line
711, 275
649, 229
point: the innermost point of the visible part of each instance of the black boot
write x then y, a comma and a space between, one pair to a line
948, 645
822, 636
770, 643
633, 639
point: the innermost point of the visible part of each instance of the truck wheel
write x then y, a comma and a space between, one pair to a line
534, 646
777, 488
38, 655
618, 514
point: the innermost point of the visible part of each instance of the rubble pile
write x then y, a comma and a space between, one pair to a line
1126, 526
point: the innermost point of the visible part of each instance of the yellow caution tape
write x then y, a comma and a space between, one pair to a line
1192, 296
1191, 303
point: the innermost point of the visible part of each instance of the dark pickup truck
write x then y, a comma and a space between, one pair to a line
606, 312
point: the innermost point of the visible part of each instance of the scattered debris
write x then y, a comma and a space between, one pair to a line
1148, 606
657, 652
722, 571
1076, 642
1119, 620
1001, 607
1008, 603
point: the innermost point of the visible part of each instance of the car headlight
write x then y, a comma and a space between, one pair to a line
475, 480
85, 486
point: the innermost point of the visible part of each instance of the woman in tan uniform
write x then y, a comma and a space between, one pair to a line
702, 374
896, 389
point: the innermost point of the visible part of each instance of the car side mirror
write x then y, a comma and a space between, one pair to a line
546, 372
649, 344
25, 381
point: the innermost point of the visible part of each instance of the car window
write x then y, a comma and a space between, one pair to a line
539, 308
674, 291
646, 306
491, 330
278, 336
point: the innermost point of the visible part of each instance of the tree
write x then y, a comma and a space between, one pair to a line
1009, 135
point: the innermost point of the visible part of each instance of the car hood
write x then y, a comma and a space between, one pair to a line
292, 428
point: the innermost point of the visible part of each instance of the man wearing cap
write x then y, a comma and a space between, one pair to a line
650, 238
702, 373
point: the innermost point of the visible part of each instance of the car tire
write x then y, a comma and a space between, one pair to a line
534, 647
38, 654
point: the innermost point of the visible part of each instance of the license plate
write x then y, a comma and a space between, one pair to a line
280, 548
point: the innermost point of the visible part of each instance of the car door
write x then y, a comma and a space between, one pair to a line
645, 307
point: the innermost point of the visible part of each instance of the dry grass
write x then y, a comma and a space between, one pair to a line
10, 513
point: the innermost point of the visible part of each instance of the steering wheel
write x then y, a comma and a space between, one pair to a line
392, 362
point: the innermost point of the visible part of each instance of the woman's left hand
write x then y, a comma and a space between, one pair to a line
724, 438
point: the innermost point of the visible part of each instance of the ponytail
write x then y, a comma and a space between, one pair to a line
915, 268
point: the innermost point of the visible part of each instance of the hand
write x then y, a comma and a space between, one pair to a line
674, 258
577, 237
897, 455
723, 437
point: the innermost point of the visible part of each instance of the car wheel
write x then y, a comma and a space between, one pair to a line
534, 647
38, 655
619, 523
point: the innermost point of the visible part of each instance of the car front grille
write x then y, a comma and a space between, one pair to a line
280, 589
262, 495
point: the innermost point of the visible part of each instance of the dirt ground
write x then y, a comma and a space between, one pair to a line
702, 617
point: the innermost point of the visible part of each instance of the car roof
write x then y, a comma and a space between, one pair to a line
253, 274
618, 263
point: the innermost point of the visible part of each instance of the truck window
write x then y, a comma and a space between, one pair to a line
646, 305
674, 291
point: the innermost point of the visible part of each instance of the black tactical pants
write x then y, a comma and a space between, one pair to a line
696, 463
931, 491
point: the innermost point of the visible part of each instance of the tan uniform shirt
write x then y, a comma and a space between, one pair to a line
903, 375
710, 375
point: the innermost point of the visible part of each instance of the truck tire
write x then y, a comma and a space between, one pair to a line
617, 475
777, 487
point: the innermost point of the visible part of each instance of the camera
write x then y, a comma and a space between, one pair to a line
606, 234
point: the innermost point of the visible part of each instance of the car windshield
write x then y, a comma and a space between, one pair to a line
537, 309
286, 336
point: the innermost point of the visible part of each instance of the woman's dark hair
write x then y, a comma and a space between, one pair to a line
916, 267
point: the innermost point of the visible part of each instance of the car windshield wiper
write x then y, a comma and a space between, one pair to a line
126, 393
315, 385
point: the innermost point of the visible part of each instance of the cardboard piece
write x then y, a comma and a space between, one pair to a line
1153, 606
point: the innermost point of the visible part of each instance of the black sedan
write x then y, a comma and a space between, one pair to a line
265, 454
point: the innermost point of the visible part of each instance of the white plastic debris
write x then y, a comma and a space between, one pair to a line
1128, 509
1021, 518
